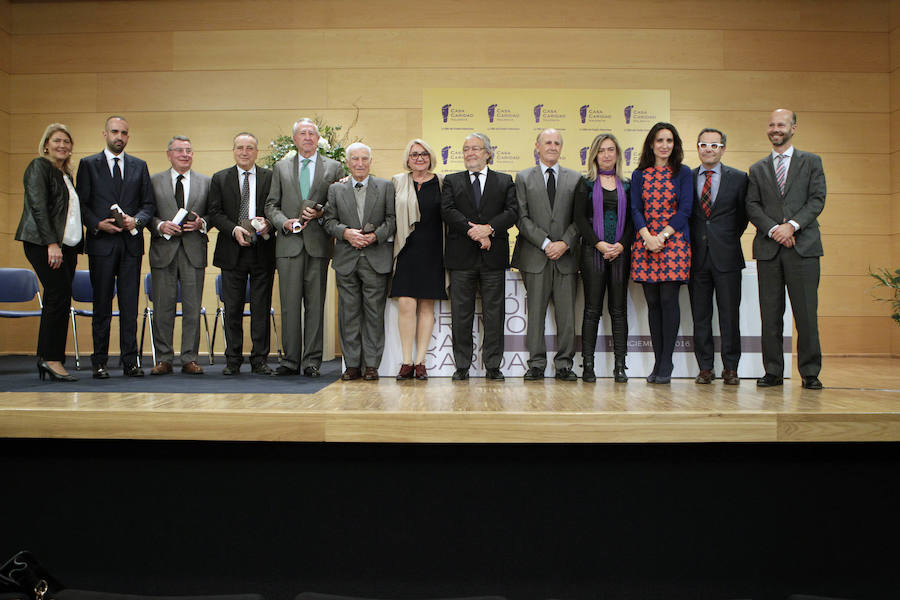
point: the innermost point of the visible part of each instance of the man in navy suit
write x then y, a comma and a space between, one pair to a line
478, 205
718, 219
107, 179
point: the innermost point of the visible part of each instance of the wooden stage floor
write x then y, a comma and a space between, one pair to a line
861, 402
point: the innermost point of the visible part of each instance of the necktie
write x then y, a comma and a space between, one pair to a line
304, 179
551, 186
244, 214
706, 194
360, 202
117, 176
780, 172
476, 189
179, 191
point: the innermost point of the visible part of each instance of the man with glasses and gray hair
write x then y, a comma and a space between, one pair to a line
478, 206
718, 219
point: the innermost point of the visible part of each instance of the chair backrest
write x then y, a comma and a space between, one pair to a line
219, 289
18, 285
82, 290
148, 289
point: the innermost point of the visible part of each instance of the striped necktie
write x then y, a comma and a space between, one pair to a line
780, 172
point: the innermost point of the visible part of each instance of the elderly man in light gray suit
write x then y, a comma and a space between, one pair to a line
178, 255
295, 207
785, 196
360, 215
545, 254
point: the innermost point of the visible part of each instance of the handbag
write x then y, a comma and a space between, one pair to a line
24, 574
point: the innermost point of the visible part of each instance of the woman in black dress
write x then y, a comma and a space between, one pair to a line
50, 230
603, 218
418, 255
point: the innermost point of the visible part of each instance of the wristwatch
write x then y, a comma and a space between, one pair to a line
666, 235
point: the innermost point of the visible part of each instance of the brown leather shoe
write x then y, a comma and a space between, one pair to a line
406, 372
705, 376
730, 377
350, 374
192, 368
421, 372
371, 374
162, 368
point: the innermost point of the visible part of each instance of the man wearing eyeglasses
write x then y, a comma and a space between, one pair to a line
478, 206
718, 220
784, 199
178, 256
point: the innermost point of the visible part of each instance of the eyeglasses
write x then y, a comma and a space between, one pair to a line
418, 155
182, 151
473, 148
709, 145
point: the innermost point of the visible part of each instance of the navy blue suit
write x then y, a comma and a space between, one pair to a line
114, 259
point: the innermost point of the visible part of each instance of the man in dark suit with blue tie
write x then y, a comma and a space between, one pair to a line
478, 206
106, 180
784, 199
718, 220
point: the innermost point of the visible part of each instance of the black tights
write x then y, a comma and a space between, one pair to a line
664, 315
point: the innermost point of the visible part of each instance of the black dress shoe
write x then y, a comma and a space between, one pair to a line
460, 375
284, 371
133, 371
232, 369
100, 373
312, 371
534, 374
811, 382
769, 380
494, 374
566, 374
261, 369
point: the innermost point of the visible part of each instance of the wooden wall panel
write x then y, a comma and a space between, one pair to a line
809, 51
145, 15
53, 93
847, 296
91, 53
4, 92
842, 171
5, 45
868, 251
856, 214
856, 335
690, 89
895, 212
12, 210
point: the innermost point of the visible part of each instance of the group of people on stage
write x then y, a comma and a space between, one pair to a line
411, 236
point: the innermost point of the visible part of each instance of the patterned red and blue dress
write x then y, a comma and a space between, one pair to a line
661, 202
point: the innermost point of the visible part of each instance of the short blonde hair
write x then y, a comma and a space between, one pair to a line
432, 157
49, 131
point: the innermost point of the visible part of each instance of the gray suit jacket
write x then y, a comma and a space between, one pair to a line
162, 251
284, 203
804, 199
538, 222
341, 213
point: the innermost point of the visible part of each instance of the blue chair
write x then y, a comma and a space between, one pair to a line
148, 316
220, 313
83, 291
19, 285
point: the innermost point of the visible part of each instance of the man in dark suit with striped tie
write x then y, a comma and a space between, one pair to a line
717, 221
784, 199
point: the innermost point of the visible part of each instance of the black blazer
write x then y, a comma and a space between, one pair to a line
720, 235
223, 205
499, 209
96, 193
46, 205
584, 215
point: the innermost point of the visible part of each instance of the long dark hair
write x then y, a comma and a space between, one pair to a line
648, 159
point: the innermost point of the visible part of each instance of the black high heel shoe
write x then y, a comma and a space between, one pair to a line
44, 370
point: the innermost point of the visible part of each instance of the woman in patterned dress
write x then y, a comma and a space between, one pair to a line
662, 196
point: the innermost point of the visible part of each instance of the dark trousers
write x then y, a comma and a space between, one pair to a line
234, 287
464, 284
801, 277
612, 282
115, 274
706, 281
56, 299
664, 315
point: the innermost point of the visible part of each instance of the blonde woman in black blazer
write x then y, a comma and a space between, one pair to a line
50, 230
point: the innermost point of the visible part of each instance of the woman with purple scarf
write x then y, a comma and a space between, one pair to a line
603, 217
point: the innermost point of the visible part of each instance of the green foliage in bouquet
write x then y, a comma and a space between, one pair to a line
890, 281
330, 144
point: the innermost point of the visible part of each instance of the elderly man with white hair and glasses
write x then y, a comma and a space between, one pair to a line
478, 206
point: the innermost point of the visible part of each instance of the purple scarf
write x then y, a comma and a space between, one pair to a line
597, 197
